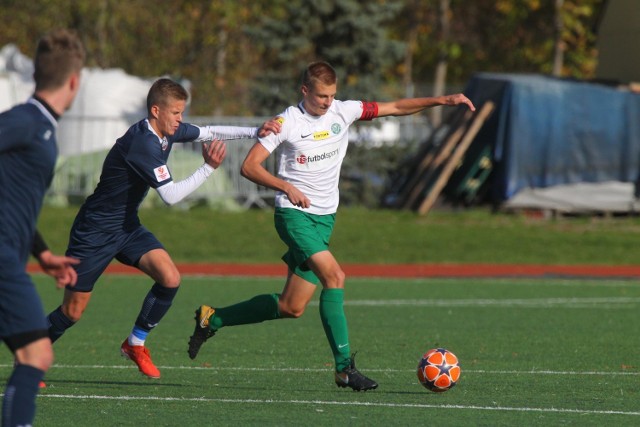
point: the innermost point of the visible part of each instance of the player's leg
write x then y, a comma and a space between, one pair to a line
23, 330
145, 252
158, 265
298, 231
31, 362
95, 250
334, 321
254, 310
68, 313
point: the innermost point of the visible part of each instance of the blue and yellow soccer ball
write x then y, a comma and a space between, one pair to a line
438, 370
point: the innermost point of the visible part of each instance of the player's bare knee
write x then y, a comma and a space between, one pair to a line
290, 312
335, 280
171, 279
36, 355
45, 360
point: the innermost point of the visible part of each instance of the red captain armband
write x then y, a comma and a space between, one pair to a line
369, 110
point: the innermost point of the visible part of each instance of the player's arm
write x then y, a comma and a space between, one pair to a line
59, 267
253, 170
209, 133
406, 106
213, 154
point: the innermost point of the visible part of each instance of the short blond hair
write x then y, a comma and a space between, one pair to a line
163, 90
319, 71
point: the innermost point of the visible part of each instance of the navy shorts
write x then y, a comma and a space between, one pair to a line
22, 317
97, 248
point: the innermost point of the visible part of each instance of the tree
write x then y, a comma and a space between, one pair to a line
349, 34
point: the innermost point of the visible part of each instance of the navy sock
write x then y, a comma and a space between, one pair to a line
155, 306
19, 403
58, 324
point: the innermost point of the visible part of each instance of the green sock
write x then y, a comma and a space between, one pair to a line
335, 325
256, 310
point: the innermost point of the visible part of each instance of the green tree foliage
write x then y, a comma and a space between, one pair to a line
352, 35
244, 57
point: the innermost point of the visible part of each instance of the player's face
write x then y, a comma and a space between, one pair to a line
318, 98
168, 117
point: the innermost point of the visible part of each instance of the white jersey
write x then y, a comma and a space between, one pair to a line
312, 154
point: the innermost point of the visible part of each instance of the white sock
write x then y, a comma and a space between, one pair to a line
133, 340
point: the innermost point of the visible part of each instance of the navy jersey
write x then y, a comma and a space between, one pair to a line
136, 162
28, 154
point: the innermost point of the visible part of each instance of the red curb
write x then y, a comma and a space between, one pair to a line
400, 270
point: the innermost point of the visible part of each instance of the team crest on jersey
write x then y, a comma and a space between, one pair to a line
280, 119
162, 173
165, 144
336, 128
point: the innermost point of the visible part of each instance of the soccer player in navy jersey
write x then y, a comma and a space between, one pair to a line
314, 139
107, 225
28, 153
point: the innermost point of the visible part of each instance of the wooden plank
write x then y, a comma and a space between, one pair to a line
432, 161
455, 158
409, 171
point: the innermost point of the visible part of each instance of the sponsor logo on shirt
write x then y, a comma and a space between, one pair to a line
162, 173
306, 159
317, 136
280, 119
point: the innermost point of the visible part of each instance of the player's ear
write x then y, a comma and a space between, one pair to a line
74, 82
304, 89
154, 112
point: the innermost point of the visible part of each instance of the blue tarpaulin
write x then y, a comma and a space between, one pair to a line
548, 131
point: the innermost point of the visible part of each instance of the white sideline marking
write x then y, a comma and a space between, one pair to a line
595, 302
391, 371
336, 403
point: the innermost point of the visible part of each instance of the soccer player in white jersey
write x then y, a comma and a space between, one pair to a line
314, 139
107, 225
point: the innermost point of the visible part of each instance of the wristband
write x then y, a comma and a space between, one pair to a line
38, 245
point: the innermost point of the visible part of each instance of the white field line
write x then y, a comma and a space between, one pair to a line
511, 281
587, 302
336, 403
390, 371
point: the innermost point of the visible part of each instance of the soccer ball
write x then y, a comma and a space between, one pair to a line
438, 370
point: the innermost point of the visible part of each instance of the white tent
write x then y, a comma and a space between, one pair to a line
108, 103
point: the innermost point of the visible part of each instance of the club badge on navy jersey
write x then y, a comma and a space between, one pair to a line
165, 143
162, 173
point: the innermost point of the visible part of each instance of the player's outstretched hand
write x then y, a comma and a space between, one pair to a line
459, 98
214, 153
59, 267
272, 126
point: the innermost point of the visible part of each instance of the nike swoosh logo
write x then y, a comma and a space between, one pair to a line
342, 345
304, 136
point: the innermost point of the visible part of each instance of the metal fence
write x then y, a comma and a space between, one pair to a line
77, 174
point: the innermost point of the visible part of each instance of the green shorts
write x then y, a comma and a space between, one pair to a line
304, 234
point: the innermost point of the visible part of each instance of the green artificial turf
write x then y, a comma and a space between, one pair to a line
533, 352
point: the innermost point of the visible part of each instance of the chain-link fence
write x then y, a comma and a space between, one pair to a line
77, 174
